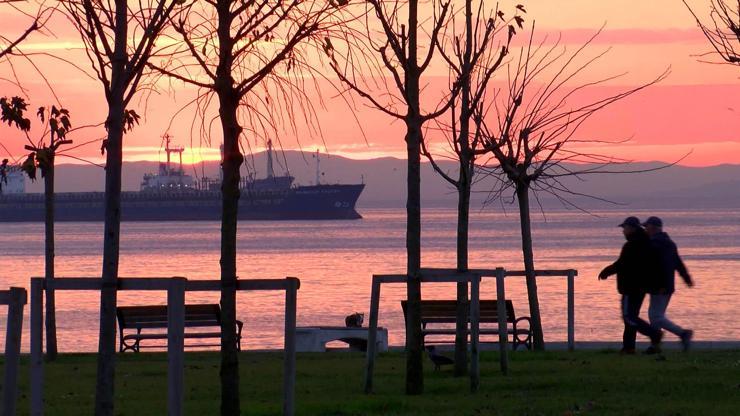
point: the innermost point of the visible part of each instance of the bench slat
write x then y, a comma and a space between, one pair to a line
164, 335
444, 311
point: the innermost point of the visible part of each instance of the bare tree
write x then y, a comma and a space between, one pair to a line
472, 56
234, 50
9, 46
403, 62
530, 136
119, 40
722, 29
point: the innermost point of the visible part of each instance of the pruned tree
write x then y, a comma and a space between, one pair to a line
13, 112
529, 131
119, 38
247, 55
722, 29
56, 124
473, 55
393, 40
43, 156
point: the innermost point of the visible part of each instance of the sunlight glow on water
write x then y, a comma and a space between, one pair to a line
335, 261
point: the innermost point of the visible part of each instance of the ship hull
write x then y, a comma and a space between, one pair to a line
321, 202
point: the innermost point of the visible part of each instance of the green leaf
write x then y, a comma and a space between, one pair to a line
29, 166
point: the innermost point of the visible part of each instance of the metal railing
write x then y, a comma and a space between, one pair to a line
474, 277
175, 288
15, 298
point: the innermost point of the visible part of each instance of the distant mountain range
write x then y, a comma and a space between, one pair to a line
675, 186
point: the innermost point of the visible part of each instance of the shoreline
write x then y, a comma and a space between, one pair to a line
556, 346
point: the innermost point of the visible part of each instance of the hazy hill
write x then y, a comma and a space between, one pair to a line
678, 186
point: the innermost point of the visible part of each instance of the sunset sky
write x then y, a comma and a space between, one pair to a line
696, 109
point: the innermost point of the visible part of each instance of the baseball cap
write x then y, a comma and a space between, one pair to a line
653, 221
630, 221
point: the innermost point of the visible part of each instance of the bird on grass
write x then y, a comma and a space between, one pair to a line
438, 359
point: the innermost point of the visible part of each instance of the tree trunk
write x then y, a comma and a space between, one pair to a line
463, 200
233, 159
104, 388
51, 326
463, 219
228, 106
111, 240
414, 353
522, 193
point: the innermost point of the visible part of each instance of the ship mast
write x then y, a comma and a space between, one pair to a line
169, 150
318, 168
270, 170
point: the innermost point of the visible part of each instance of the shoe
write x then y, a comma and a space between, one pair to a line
653, 349
627, 351
686, 339
657, 339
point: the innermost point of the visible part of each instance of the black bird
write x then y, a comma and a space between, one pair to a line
438, 359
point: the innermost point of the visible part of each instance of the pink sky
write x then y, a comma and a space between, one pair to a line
697, 109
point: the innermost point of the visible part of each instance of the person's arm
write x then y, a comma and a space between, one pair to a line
608, 271
614, 267
682, 271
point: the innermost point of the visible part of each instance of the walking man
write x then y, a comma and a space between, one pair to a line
670, 262
635, 269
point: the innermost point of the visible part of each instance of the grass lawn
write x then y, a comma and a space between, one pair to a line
552, 383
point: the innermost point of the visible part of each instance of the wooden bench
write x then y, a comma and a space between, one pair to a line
140, 318
436, 312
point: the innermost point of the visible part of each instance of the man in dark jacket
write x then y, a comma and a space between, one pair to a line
635, 269
670, 262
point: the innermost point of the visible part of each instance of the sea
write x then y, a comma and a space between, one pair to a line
335, 261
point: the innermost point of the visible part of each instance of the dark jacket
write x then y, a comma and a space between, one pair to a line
670, 262
637, 266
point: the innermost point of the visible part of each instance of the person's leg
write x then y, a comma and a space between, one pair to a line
630, 333
656, 312
634, 303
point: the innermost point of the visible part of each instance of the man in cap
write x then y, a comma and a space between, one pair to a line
635, 269
670, 262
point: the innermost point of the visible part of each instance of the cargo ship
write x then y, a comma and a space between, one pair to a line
172, 195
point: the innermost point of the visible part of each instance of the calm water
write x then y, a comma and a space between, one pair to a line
335, 261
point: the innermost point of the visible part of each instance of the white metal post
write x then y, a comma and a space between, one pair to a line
175, 345
14, 329
501, 312
291, 301
474, 333
571, 310
372, 334
37, 352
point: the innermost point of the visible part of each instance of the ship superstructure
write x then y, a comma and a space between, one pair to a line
169, 177
12, 179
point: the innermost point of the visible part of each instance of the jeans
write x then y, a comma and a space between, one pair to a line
656, 312
633, 324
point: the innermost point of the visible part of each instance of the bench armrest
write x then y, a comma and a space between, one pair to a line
523, 319
518, 340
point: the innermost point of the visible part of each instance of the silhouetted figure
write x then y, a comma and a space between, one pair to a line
635, 268
355, 320
670, 262
438, 359
3, 174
